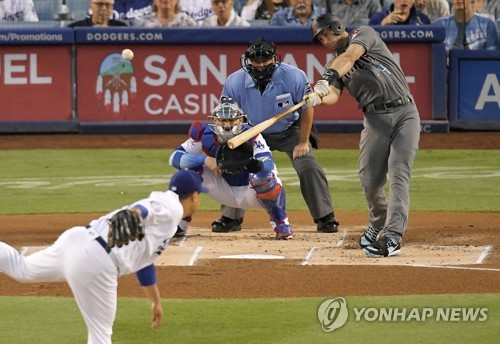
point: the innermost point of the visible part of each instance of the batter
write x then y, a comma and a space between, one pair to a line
389, 141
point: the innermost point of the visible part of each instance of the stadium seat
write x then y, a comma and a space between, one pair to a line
29, 25
259, 22
46, 9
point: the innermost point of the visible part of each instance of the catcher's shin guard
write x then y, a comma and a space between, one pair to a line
271, 196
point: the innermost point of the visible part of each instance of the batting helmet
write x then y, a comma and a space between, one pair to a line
325, 21
224, 119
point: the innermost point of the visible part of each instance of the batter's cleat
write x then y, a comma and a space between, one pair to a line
226, 225
369, 236
283, 231
383, 247
327, 224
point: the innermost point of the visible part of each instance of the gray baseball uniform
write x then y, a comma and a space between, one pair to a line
389, 140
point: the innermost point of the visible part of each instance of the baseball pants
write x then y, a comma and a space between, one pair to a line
77, 258
388, 145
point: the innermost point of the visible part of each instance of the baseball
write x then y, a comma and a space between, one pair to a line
127, 54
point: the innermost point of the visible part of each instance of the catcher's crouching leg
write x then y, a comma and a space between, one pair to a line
272, 198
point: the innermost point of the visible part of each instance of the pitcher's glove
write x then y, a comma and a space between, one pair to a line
233, 160
125, 226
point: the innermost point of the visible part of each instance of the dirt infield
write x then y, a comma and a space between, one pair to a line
442, 252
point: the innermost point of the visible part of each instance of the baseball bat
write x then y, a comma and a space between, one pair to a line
253, 131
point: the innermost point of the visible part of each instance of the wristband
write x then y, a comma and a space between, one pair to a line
331, 75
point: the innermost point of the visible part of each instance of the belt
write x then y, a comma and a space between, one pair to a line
101, 242
387, 105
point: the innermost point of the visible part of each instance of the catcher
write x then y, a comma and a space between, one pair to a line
90, 259
245, 177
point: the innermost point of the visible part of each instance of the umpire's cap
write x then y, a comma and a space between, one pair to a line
324, 21
260, 50
185, 182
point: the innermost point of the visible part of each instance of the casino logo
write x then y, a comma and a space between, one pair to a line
116, 86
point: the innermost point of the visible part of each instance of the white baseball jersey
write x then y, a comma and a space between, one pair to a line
164, 212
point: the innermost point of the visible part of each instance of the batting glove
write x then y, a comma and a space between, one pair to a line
312, 99
322, 88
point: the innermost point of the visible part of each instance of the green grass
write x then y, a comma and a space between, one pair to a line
57, 320
80, 181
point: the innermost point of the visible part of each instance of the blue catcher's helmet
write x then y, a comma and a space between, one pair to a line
227, 119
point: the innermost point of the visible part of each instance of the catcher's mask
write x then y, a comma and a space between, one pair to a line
260, 61
326, 21
227, 119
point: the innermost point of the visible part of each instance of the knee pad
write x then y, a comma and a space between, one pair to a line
265, 185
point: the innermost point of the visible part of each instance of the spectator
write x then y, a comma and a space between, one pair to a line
490, 8
434, 9
224, 15
130, 11
264, 87
18, 10
199, 10
166, 14
401, 12
353, 12
101, 15
299, 13
468, 30
262, 9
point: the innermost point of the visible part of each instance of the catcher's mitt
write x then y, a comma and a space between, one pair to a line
125, 226
234, 159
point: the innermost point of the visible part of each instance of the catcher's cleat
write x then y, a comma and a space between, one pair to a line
327, 224
283, 232
383, 247
180, 232
225, 225
369, 236
182, 227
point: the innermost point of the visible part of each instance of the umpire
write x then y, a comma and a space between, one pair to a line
389, 141
263, 88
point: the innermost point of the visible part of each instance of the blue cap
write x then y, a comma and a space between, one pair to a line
186, 182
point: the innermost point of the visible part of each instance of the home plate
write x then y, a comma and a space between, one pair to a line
251, 256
